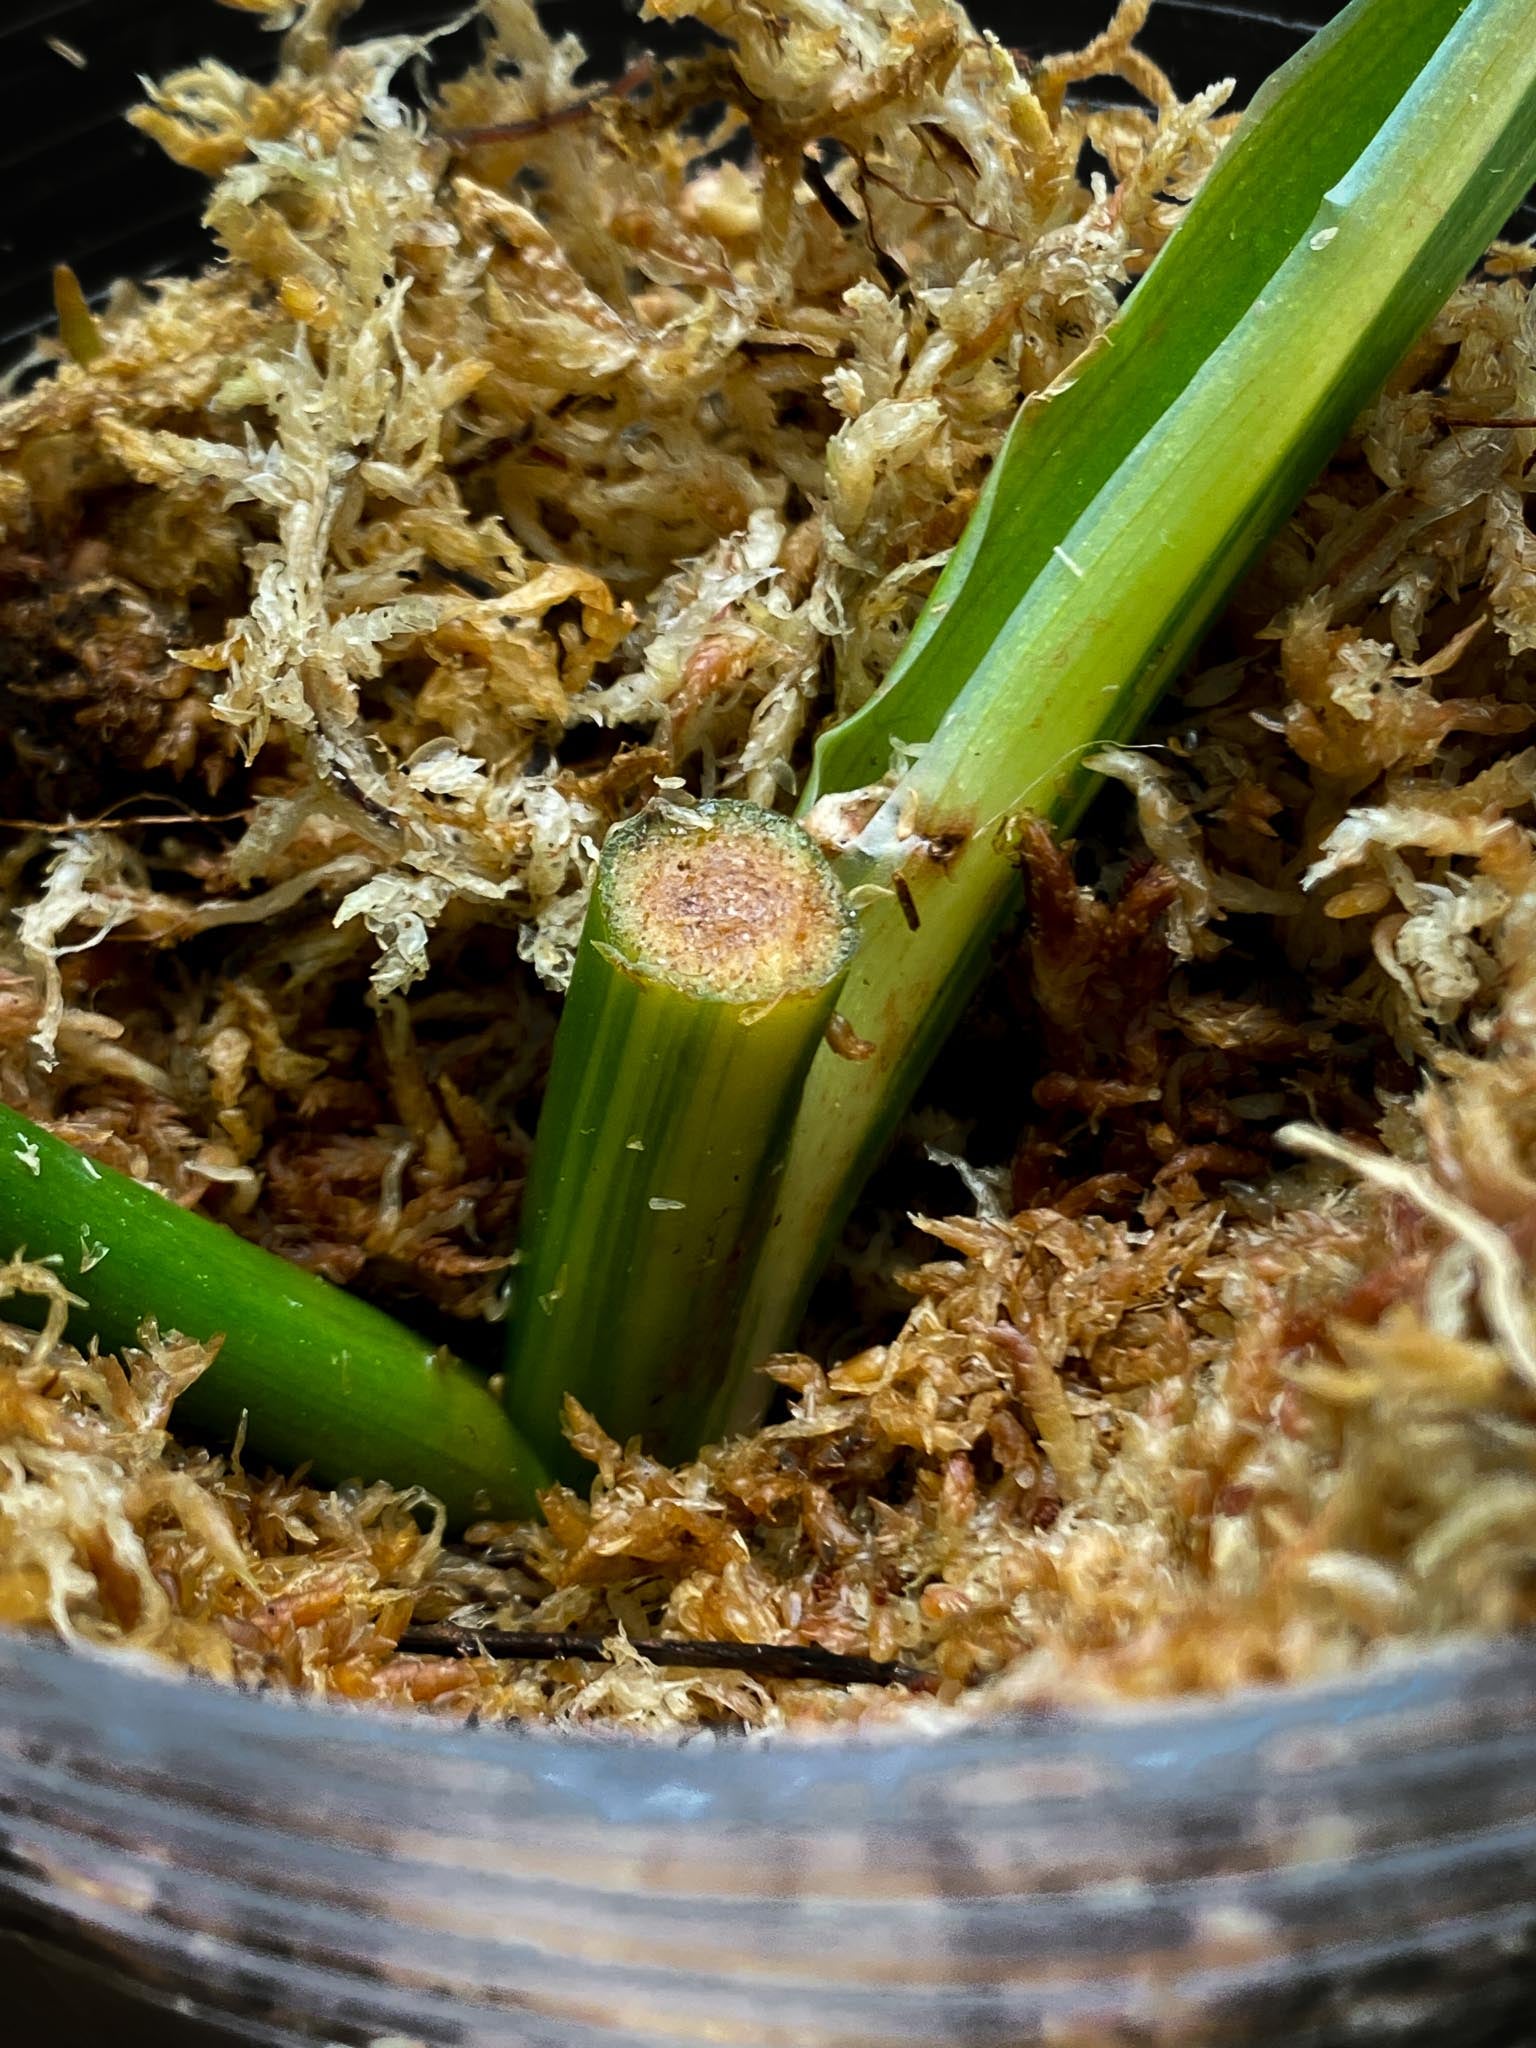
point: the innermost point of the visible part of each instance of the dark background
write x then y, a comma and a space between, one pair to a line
84, 188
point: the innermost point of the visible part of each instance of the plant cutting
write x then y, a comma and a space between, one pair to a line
511, 463
1368, 175
710, 963
305, 1372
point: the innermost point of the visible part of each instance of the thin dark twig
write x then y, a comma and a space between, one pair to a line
639, 73
892, 273
462, 579
936, 205
837, 206
761, 1660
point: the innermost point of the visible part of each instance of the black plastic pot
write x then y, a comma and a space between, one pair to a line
182, 1866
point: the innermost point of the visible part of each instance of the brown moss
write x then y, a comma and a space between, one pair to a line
487, 485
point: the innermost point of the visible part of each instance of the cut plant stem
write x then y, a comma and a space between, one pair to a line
710, 962
316, 1376
1372, 173
1303, 130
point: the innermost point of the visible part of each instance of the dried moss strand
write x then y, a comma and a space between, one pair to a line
315, 1376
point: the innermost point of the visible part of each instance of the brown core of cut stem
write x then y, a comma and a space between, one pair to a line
726, 902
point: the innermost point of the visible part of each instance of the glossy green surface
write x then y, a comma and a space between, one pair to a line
319, 1377
1391, 173
1302, 132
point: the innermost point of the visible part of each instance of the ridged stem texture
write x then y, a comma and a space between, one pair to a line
710, 962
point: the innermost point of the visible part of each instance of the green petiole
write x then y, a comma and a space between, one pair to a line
1370, 176
1303, 131
713, 951
318, 1377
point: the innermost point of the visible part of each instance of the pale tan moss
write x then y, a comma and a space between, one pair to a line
468, 450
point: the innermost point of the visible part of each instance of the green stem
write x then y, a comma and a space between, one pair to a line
316, 1376
1079, 652
1302, 131
709, 965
